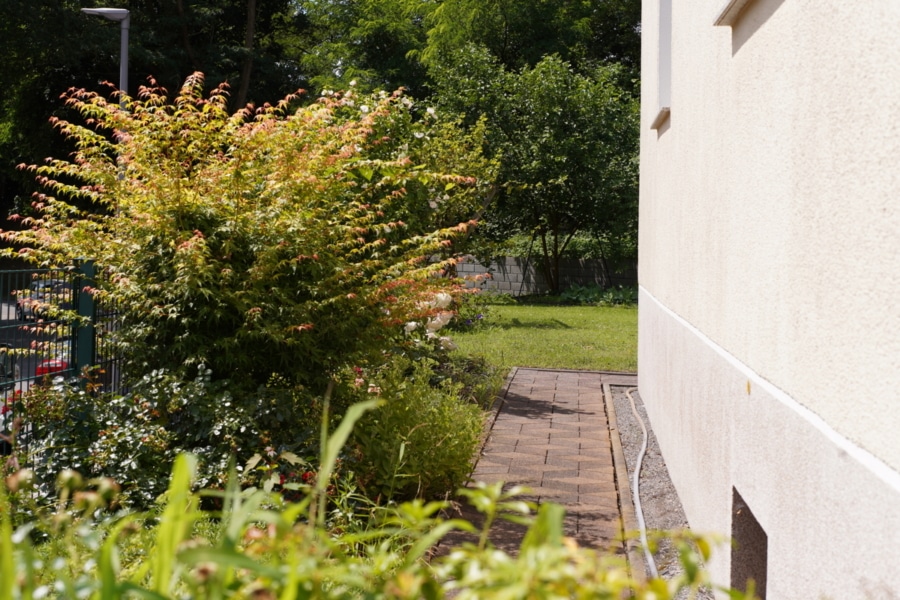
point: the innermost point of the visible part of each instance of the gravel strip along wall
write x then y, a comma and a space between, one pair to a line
661, 506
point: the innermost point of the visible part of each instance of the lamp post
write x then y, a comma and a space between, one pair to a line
123, 16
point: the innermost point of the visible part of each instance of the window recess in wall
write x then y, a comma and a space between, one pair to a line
664, 64
730, 12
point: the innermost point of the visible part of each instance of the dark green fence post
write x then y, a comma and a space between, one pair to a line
84, 339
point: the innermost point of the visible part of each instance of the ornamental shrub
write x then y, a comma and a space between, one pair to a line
279, 240
421, 442
254, 260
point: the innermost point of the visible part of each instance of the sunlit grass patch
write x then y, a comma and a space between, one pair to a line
556, 337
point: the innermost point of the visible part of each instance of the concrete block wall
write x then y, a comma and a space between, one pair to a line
517, 277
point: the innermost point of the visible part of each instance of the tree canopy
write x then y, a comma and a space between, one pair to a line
264, 49
567, 145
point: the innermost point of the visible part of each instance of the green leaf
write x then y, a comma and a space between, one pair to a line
108, 561
337, 440
547, 529
228, 559
254, 460
7, 564
175, 523
292, 458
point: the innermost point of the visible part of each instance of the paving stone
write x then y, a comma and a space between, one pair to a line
563, 497
507, 426
484, 468
498, 448
533, 443
504, 439
551, 436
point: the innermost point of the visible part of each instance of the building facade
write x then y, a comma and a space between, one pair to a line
769, 268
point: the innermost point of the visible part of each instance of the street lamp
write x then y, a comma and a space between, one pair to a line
123, 16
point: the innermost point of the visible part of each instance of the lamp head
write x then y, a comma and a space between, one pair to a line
113, 14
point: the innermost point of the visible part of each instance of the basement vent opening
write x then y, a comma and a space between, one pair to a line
749, 548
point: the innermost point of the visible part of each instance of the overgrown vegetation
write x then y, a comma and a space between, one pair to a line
261, 547
595, 294
263, 265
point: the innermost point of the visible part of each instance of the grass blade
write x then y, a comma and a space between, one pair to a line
175, 524
7, 564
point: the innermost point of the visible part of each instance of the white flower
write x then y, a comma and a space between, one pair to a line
364, 108
352, 82
448, 344
430, 111
419, 135
432, 204
410, 327
438, 321
442, 299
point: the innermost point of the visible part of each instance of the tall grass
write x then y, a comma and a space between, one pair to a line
556, 337
266, 548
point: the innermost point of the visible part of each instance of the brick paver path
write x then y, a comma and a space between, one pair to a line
552, 435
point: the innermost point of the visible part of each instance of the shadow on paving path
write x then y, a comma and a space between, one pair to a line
551, 434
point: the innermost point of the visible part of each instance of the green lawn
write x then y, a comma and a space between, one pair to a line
556, 337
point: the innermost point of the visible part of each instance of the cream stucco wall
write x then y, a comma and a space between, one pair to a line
770, 235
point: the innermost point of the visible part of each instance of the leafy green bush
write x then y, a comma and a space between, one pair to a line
477, 380
134, 437
265, 242
594, 294
254, 260
472, 311
421, 442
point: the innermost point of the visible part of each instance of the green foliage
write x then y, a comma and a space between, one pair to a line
261, 547
519, 33
478, 381
594, 294
135, 437
167, 40
255, 260
618, 250
273, 434
422, 440
567, 144
258, 243
368, 41
472, 312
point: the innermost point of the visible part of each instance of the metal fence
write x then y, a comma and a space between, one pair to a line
50, 326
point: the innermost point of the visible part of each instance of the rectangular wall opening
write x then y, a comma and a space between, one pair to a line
749, 548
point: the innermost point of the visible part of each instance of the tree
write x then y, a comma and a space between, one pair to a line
230, 40
520, 33
567, 145
371, 42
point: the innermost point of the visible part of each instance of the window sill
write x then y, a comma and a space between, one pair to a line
661, 118
730, 13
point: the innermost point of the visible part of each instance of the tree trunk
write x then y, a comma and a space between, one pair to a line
185, 38
551, 263
244, 87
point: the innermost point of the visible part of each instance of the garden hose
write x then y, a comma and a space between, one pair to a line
635, 488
